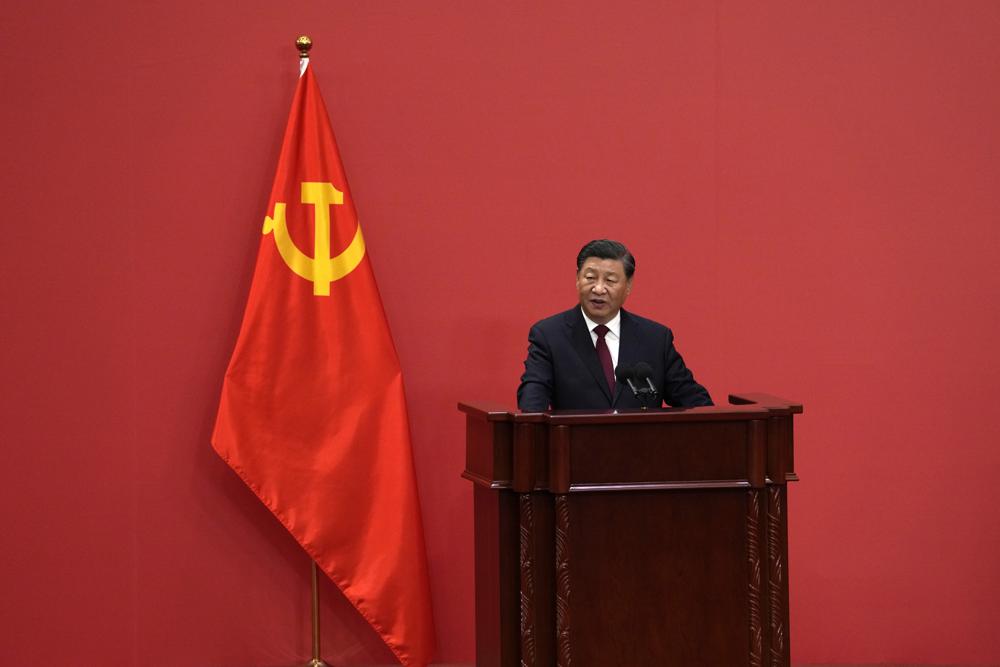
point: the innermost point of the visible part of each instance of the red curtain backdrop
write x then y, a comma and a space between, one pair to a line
809, 189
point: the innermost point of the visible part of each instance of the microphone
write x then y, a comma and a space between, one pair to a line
643, 373
627, 374
639, 381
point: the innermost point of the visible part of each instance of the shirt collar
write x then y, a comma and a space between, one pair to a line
614, 326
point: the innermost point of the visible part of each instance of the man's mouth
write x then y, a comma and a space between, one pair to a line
598, 303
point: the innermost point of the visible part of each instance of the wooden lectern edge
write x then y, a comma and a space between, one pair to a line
491, 410
484, 481
775, 403
740, 403
707, 413
652, 485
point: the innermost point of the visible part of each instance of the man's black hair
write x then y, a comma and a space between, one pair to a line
607, 249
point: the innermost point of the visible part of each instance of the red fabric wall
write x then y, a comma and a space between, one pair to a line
810, 190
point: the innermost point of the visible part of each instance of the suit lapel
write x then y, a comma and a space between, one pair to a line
628, 351
583, 344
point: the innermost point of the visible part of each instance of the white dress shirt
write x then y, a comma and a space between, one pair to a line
612, 338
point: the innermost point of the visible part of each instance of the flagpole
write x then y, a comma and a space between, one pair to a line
316, 660
304, 44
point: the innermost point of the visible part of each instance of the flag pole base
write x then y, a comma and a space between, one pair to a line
316, 661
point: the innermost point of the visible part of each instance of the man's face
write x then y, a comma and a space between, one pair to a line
602, 287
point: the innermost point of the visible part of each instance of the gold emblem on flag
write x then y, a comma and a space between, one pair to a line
320, 269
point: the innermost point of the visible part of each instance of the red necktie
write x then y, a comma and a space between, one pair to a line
604, 354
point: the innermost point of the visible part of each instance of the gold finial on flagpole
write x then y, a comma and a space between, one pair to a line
303, 44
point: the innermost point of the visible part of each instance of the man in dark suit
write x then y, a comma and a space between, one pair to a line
572, 356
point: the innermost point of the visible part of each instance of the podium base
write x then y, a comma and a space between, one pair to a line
316, 662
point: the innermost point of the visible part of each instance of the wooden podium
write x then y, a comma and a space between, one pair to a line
637, 539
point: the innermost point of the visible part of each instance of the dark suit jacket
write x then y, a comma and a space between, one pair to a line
562, 370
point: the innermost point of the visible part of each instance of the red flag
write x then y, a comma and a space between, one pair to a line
312, 415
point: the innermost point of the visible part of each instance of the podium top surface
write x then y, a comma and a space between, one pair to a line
741, 406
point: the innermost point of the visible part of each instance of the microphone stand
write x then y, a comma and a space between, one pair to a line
644, 395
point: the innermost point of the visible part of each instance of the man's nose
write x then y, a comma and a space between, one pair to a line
600, 287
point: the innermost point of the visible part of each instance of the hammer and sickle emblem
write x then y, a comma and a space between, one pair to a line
321, 269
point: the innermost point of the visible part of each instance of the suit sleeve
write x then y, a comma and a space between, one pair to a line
535, 391
680, 389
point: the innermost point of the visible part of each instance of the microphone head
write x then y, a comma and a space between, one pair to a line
625, 373
642, 370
